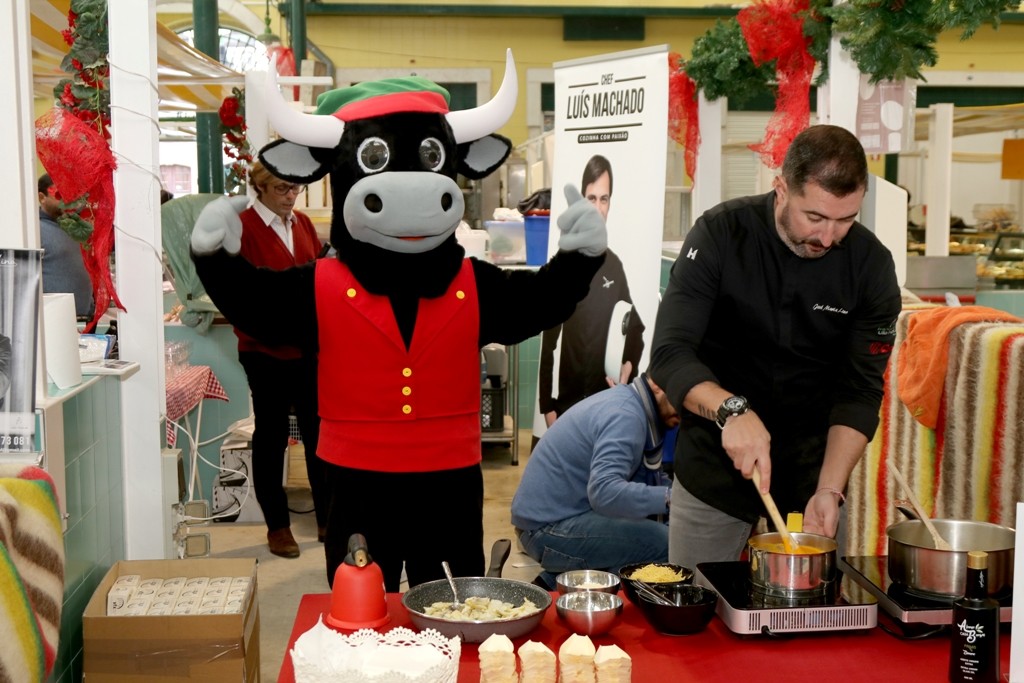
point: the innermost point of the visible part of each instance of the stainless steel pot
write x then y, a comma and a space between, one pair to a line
915, 563
776, 572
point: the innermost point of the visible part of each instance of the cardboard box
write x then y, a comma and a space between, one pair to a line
213, 648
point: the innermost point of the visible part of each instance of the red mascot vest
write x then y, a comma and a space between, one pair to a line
388, 409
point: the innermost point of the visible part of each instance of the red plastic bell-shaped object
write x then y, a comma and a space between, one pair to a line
358, 598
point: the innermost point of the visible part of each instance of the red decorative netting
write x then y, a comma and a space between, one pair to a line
683, 119
285, 62
81, 165
774, 29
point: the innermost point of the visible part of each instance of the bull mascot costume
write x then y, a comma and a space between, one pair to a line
398, 318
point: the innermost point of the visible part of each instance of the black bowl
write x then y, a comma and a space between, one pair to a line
629, 587
690, 612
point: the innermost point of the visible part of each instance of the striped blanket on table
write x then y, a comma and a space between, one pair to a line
971, 465
31, 573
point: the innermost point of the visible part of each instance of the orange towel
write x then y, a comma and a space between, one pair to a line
921, 365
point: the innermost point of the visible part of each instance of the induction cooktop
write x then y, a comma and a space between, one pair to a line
899, 602
746, 611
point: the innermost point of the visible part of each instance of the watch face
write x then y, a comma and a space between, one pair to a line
734, 404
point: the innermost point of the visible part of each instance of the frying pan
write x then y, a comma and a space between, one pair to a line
418, 598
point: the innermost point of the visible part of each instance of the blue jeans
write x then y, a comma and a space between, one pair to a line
593, 541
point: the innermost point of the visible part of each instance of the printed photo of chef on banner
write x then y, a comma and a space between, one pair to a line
611, 136
19, 312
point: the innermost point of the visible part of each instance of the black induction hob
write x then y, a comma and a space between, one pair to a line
746, 611
899, 602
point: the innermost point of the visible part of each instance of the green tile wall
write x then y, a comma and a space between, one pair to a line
94, 540
1011, 301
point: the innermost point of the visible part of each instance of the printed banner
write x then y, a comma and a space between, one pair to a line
611, 141
19, 311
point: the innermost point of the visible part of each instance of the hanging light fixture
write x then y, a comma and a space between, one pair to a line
268, 37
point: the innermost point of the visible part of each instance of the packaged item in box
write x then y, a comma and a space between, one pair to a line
173, 647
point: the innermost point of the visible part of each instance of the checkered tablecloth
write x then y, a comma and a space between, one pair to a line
184, 392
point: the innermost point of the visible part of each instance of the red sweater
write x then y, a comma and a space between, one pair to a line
262, 247
386, 408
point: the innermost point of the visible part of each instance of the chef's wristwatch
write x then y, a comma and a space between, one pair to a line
734, 405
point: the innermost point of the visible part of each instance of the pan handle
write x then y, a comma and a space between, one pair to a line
499, 554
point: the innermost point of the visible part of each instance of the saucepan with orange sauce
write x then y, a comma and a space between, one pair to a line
809, 569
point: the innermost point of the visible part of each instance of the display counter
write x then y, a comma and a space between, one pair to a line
715, 654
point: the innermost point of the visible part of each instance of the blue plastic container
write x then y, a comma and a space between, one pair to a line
536, 239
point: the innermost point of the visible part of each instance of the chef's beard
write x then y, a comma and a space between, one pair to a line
797, 246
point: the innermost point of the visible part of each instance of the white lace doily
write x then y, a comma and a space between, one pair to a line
322, 655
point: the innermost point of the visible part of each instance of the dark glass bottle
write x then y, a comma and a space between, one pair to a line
974, 650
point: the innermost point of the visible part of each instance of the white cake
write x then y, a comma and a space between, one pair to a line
576, 660
497, 660
537, 663
612, 665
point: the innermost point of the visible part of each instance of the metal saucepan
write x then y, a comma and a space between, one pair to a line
418, 598
915, 563
774, 571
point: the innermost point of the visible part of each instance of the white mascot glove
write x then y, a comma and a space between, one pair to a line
219, 226
582, 226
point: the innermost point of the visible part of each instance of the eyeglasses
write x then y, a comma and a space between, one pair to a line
282, 190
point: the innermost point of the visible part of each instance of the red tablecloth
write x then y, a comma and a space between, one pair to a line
717, 654
184, 392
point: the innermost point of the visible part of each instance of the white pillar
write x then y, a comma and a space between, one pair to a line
20, 227
837, 100
139, 275
707, 185
938, 180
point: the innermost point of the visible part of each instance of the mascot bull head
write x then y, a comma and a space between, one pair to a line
393, 150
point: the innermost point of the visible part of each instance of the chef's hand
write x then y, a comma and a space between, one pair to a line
582, 225
218, 226
748, 444
821, 516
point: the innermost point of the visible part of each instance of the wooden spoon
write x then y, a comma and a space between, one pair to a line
773, 511
939, 541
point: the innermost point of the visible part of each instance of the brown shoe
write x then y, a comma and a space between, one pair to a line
282, 543
321, 534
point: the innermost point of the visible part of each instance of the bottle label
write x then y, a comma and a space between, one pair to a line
971, 632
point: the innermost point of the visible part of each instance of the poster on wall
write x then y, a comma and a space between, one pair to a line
610, 141
19, 310
886, 115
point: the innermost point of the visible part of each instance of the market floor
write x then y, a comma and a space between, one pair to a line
282, 582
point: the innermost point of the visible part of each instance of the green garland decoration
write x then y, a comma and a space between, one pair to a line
720, 65
887, 39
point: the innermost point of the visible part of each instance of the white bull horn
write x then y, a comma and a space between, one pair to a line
473, 124
311, 130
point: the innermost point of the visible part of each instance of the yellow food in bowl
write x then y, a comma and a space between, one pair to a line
652, 573
781, 548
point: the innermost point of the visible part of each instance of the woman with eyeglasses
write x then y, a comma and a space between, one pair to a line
281, 378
